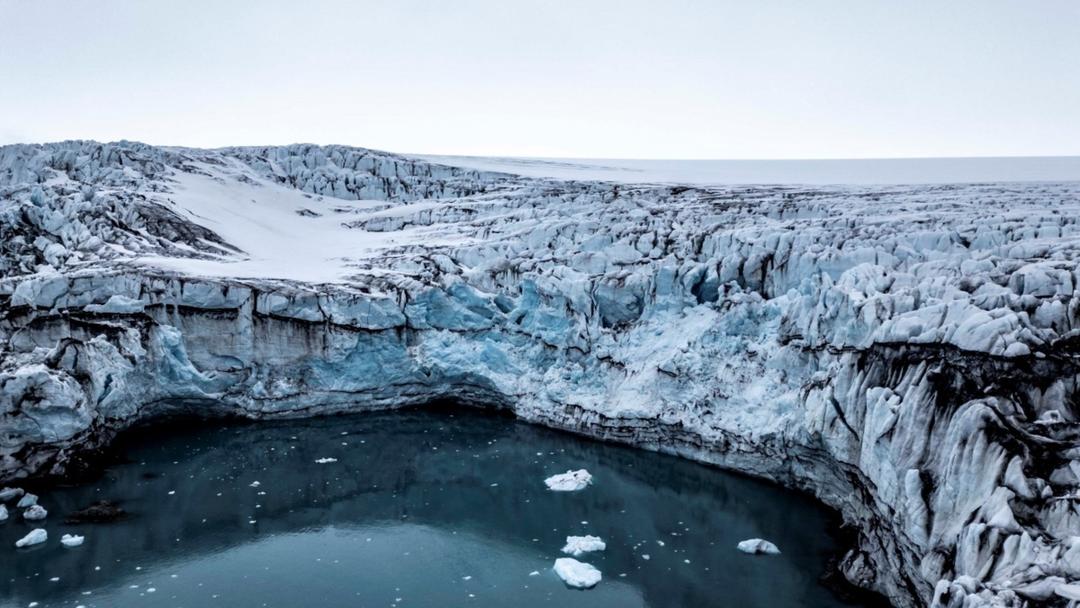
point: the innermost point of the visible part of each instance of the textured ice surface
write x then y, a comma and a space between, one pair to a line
34, 537
72, 540
577, 574
909, 354
570, 481
758, 545
35, 513
579, 545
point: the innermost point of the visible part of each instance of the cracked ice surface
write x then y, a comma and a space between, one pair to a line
909, 354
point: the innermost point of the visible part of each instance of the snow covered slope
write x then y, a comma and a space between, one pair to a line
820, 172
910, 354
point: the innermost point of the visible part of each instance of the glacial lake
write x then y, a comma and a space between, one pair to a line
436, 508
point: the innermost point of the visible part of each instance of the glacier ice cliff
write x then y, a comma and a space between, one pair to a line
909, 354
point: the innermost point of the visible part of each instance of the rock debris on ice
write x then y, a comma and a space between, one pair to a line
758, 546
576, 574
579, 545
570, 481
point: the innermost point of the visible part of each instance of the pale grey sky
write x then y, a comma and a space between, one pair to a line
585, 78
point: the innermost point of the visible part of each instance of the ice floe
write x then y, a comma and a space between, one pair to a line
570, 481
758, 546
35, 537
576, 574
35, 513
72, 540
579, 545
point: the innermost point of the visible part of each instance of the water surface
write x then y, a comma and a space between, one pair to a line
422, 508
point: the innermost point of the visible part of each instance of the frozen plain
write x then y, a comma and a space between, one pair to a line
909, 354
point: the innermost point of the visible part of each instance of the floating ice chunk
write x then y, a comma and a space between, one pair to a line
72, 540
35, 513
570, 481
255, 484
577, 545
325, 460
576, 574
8, 493
3, 513
36, 536
28, 500
758, 545
534, 573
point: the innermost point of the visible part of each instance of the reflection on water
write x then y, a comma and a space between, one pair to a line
422, 508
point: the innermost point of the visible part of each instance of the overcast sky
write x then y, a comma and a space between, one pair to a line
602, 79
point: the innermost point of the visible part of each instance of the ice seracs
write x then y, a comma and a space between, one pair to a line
579, 545
35, 513
570, 481
577, 574
758, 546
72, 540
34, 537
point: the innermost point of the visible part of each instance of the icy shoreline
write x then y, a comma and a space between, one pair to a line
908, 355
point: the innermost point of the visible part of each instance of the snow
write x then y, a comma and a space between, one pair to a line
72, 540
579, 545
34, 537
838, 171
34, 513
570, 481
576, 574
758, 546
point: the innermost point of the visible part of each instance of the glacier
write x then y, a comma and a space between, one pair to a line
910, 354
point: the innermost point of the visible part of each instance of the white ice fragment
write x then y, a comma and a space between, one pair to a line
570, 481
1017, 349
1069, 591
578, 545
534, 573
8, 493
72, 540
254, 484
28, 500
35, 513
325, 460
36, 536
3, 513
758, 545
576, 574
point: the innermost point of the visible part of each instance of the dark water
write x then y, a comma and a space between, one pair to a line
422, 508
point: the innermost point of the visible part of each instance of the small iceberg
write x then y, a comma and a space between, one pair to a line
578, 545
570, 481
72, 540
576, 574
35, 537
28, 500
35, 513
325, 460
758, 546
3, 513
8, 493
